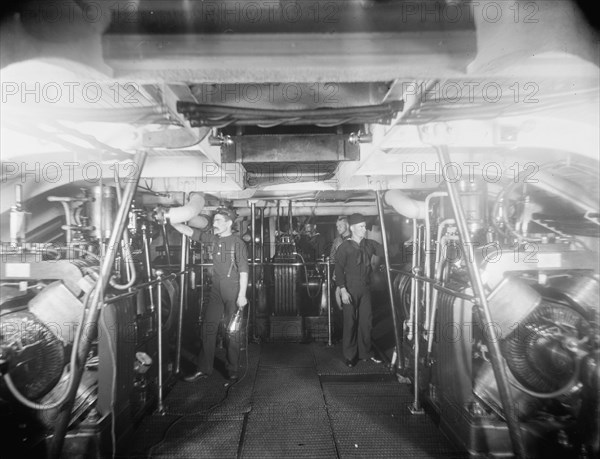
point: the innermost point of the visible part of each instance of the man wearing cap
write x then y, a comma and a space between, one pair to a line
343, 233
353, 272
227, 293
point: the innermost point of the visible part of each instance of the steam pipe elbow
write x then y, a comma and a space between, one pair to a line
187, 211
404, 205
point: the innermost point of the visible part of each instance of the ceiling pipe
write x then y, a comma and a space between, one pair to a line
404, 205
186, 212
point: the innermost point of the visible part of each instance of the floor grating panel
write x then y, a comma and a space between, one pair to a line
375, 435
296, 401
194, 438
288, 434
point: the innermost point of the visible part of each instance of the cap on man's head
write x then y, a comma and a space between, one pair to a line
227, 213
356, 218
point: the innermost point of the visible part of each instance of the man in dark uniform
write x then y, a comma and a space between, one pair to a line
353, 272
227, 293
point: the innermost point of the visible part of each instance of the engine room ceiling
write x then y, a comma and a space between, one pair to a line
457, 62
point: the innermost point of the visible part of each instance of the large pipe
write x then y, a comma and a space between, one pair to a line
386, 253
483, 311
186, 212
90, 321
404, 205
199, 221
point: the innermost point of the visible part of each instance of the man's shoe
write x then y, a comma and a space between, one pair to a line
350, 363
195, 377
375, 359
233, 376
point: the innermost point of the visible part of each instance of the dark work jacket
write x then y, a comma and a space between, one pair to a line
230, 255
353, 269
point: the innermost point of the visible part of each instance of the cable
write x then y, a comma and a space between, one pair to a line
183, 416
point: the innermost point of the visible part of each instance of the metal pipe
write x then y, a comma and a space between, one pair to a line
416, 406
182, 298
147, 263
386, 253
328, 268
253, 235
166, 244
430, 319
428, 267
410, 208
290, 217
125, 247
413, 283
160, 410
484, 314
90, 321
262, 234
186, 212
201, 306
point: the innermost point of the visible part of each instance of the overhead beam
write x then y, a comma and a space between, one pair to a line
293, 58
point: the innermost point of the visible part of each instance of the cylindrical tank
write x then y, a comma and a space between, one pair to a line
102, 209
473, 199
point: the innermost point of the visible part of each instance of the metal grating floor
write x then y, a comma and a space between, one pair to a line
296, 401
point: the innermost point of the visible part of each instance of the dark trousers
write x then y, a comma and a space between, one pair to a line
222, 299
358, 322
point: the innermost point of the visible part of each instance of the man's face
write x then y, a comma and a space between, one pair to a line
342, 226
221, 224
359, 230
309, 228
